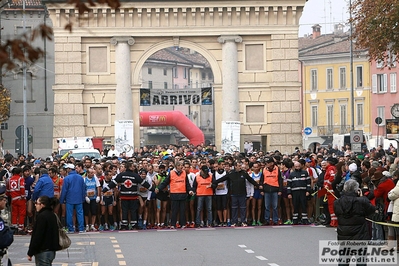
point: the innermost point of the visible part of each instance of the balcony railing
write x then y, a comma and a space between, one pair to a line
330, 130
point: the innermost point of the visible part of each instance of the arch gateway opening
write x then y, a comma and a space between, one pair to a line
251, 47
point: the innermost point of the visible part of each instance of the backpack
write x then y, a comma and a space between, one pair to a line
340, 185
6, 235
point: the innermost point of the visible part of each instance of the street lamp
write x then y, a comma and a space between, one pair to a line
351, 68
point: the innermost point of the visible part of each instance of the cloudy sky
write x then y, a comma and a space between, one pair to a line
323, 12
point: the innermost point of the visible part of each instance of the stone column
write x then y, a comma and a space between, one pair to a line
123, 92
231, 107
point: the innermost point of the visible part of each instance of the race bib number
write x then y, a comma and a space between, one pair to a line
108, 193
91, 193
220, 187
143, 189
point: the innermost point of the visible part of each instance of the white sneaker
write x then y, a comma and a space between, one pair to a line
92, 228
87, 228
106, 227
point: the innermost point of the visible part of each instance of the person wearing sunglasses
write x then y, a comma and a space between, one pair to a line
45, 240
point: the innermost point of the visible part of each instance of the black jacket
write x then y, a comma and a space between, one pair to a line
129, 181
237, 186
45, 233
351, 212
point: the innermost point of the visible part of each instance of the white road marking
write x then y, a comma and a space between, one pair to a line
249, 251
205, 229
273, 264
260, 257
167, 230
120, 256
128, 232
122, 262
242, 246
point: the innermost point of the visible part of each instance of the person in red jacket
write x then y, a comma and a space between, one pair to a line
328, 179
16, 190
382, 185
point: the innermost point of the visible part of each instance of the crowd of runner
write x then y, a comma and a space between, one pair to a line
163, 187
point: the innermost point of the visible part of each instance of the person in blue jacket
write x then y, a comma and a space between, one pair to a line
44, 186
73, 195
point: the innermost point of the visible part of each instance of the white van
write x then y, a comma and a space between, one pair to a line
79, 154
67, 144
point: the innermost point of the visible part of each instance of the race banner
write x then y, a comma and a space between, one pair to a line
231, 136
176, 97
124, 139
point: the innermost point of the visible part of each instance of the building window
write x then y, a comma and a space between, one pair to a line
313, 78
329, 79
165, 71
330, 117
343, 116
392, 79
4, 126
342, 78
359, 76
381, 113
203, 75
381, 83
380, 64
359, 115
185, 73
314, 116
149, 71
150, 84
176, 87
175, 72
165, 85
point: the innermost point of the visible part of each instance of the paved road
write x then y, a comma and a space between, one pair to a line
270, 246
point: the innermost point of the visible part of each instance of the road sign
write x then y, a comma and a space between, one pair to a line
356, 147
307, 131
19, 131
378, 120
356, 136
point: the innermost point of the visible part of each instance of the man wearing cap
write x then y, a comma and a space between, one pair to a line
73, 194
179, 188
328, 180
129, 181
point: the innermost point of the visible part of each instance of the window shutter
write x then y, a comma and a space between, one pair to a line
385, 82
374, 83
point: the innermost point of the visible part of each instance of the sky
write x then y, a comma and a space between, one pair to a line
323, 12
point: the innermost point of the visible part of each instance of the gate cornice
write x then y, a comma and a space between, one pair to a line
193, 14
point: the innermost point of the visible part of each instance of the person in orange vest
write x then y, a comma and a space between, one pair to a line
272, 183
179, 188
202, 187
328, 180
16, 190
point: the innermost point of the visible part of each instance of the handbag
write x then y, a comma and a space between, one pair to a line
379, 215
64, 241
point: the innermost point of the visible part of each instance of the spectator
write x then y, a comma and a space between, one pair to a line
44, 241
73, 194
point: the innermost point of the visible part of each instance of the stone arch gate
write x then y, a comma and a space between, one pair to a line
252, 47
